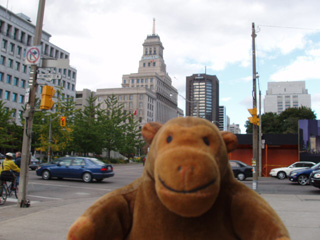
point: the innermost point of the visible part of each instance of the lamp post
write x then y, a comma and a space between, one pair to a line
196, 102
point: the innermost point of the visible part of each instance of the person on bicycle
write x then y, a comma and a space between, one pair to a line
9, 165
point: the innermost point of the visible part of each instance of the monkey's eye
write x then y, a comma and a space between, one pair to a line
206, 141
169, 139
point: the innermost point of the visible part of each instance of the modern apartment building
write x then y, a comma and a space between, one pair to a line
149, 93
235, 128
16, 34
283, 95
222, 118
202, 97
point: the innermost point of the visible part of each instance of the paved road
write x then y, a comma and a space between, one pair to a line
57, 203
55, 190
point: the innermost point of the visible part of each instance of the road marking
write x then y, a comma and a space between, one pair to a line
45, 197
69, 186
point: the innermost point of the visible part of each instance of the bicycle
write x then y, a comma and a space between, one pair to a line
6, 191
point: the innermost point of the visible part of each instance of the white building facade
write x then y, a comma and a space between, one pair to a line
16, 35
283, 95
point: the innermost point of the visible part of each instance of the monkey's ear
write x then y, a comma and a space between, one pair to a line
230, 140
149, 130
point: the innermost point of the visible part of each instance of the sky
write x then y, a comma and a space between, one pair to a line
105, 37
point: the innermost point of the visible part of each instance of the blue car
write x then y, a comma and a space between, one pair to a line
84, 168
302, 176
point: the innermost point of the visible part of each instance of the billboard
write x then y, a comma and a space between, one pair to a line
309, 140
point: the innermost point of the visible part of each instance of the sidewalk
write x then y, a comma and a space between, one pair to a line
51, 220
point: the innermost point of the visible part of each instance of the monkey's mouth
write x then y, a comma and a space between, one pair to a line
187, 191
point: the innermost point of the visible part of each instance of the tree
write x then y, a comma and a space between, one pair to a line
10, 132
132, 139
87, 132
113, 125
286, 122
290, 118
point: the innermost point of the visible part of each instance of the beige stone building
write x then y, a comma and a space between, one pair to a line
149, 93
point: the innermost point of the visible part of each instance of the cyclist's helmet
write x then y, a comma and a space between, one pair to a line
10, 155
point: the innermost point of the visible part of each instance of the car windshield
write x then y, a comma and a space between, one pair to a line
316, 166
97, 161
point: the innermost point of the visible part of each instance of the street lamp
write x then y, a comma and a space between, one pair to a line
194, 103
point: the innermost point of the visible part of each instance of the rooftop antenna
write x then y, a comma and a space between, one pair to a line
154, 27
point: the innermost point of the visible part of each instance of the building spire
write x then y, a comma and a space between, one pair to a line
154, 27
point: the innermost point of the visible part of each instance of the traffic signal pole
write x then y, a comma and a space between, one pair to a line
255, 162
29, 113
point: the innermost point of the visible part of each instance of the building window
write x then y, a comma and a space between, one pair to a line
24, 68
130, 97
9, 79
17, 67
148, 64
19, 50
14, 97
154, 64
144, 64
151, 80
23, 83
2, 60
11, 47
64, 83
138, 80
132, 81
72, 87
0, 93
10, 63
7, 95
15, 81
21, 99
140, 97
68, 86
4, 43
130, 105
1, 76
124, 81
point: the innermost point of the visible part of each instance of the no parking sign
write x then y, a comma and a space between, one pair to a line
33, 55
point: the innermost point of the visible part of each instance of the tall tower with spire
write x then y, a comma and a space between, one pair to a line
152, 75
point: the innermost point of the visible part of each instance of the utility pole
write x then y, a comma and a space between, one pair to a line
260, 136
49, 140
255, 163
29, 113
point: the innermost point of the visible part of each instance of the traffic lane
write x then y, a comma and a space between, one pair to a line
61, 189
271, 185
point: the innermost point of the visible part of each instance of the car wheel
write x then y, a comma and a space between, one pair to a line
281, 175
241, 176
46, 175
86, 177
303, 180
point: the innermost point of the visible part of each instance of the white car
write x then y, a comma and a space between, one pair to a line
284, 172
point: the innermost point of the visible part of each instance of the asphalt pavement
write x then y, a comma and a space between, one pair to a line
51, 219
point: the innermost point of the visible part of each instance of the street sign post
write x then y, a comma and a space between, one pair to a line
55, 63
49, 77
33, 55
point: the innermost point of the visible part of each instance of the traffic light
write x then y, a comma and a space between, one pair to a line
46, 97
254, 119
63, 121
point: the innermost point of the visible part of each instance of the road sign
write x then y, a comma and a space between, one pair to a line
49, 77
55, 63
33, 55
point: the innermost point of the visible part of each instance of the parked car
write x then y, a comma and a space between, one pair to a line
34, 163
302, 176
315, 178
241, 170
284, 172
84, 168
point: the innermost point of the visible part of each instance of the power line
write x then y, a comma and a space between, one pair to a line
300, 28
